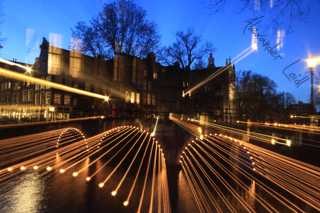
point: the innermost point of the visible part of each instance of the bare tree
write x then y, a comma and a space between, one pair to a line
120, 28
91, 42
188, 50
268, 17
258, 98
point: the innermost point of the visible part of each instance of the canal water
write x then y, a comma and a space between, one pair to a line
33, 192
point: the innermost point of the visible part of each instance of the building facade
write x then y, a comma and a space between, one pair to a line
137, 87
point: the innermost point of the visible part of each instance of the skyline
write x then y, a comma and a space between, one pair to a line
22, 41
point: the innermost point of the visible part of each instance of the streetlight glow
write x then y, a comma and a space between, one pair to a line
312, 62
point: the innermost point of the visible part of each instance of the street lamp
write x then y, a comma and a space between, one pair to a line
312, 62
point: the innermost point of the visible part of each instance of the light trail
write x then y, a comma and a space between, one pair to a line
127, 201
25, 78
153, 179
146, 178
119, 134
290, 184
130, 165
290, 127
6, 126
121, 161
65, 153
153, 133
270, 139
116, 154
245, 53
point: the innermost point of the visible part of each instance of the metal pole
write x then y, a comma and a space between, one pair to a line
311, 88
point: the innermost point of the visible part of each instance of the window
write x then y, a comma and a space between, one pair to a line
54, 64
75, 66
153, 100
127, 97
48, 98
155, 75
57, 99
132, 99
138, 98
67, 100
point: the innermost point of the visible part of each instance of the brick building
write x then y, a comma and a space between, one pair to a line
137, 87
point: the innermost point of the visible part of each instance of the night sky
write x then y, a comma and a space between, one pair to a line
25, 22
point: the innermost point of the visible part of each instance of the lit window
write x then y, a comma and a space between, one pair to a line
75, 66
127, 97
48, 98
155, 75
54, 64
67, 100
138, 98
132, 98
57, 99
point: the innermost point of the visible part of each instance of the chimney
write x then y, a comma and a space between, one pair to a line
211, 61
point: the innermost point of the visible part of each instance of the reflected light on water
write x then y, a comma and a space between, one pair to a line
27, 195
251, 194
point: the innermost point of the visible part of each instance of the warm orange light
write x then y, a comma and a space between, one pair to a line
114, 193
313, 62
125, 203
22, 77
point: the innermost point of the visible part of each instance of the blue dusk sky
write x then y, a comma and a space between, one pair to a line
25, 22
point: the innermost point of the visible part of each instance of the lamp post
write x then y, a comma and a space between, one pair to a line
312, 63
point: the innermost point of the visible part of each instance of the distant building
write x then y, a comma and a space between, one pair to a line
215, 99
138, 87
301, 108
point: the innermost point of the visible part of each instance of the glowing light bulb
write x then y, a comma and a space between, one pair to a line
125, 203
114, 193
101, 185
10, 169
62, 171
88, 179
36, 167
288, 142
75, 174
49, 168
23, 168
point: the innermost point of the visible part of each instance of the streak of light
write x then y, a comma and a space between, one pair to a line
127, 201
25, 78
291, 127
4, 126
153, 180
245, 53
130, 165
122, 160
153, 133
290, 176
146, 178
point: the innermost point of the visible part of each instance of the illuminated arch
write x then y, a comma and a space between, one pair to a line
72, 134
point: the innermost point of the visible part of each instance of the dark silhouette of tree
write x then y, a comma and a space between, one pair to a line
120, 28
258, 98
188, 50
91, 42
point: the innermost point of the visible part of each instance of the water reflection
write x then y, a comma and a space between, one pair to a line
24, 196
251, 194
